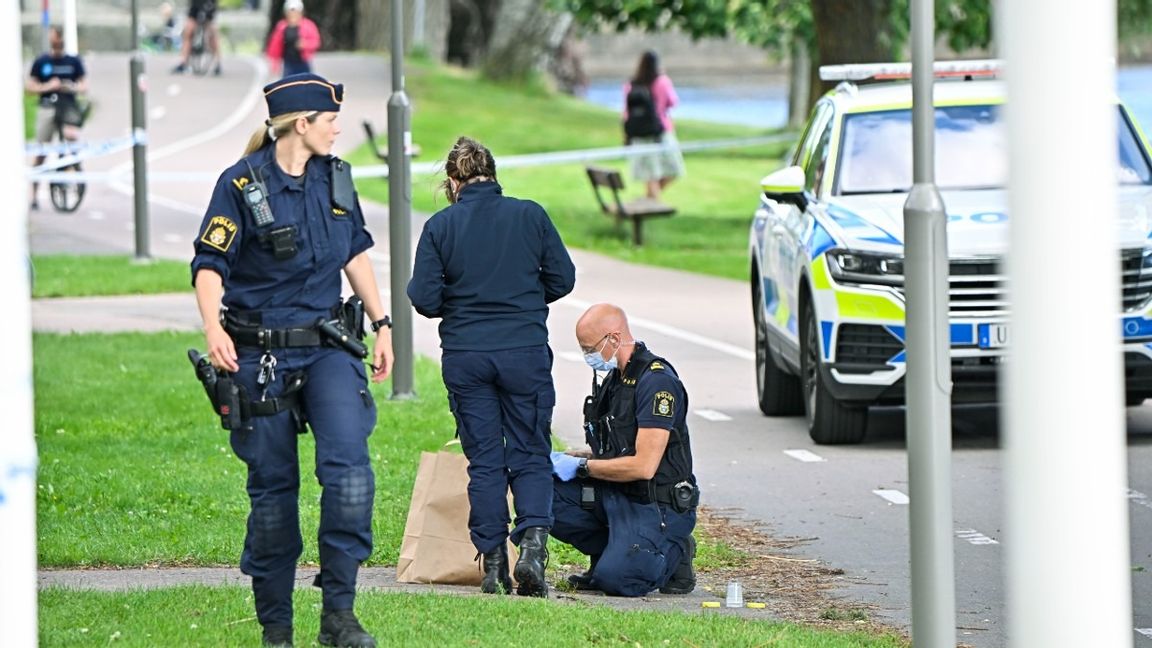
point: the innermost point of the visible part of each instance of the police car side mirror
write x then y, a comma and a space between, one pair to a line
785, 186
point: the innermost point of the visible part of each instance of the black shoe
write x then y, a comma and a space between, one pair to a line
533, 560
216, 70
496, 579
583, 582
180, 69
683, 580
276, 635
341, 628
34, 206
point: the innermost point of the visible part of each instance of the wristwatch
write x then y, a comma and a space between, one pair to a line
381, 323
582, 469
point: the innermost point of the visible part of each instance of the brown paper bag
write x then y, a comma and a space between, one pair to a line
436, 546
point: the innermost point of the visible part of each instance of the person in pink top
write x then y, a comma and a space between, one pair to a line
648, 99
294, 41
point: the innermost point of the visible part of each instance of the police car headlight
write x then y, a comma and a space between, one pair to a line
866, 267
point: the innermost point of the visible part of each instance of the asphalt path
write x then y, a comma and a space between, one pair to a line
848, 504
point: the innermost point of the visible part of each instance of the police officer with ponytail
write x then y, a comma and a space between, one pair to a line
629, 504
488, 265
283, 223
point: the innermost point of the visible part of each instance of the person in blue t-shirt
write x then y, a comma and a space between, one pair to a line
58, 78
488, 265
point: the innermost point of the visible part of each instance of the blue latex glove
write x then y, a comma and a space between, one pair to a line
564, 465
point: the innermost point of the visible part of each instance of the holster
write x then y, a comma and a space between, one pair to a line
230, 399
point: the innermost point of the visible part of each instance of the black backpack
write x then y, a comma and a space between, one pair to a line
641, 120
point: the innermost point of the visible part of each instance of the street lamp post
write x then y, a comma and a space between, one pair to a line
400, 211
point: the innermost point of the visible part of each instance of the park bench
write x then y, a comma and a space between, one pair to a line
636, 210
382, 154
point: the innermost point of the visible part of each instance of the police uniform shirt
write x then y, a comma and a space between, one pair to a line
660, 400
293, 291
64, 67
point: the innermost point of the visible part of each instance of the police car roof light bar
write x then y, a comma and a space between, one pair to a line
987, 68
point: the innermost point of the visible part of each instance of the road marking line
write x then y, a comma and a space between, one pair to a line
712, 415
893, 496
1147, 632
173, 89
807, 456
572, 356
975, 537
672, 331
1136, 497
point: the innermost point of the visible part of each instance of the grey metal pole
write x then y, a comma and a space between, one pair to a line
17, 442
929, 379
137, 83
400, 212
1067, 541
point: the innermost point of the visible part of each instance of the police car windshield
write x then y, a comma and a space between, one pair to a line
971, 151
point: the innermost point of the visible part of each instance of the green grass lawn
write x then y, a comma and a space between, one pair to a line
715, 201
64, 275
135, 469
202, 616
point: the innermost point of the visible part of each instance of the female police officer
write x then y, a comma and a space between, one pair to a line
282, 223
488, 266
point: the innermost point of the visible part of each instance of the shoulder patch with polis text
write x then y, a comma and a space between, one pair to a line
664, 404
220, 233
656, 366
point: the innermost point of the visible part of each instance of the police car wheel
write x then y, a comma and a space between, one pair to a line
778, 392
829, 420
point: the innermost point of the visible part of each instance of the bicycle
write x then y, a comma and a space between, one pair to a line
66, 195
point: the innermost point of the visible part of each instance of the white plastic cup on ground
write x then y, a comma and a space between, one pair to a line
735, 597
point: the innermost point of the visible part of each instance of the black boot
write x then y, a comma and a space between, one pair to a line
341, 628
533, 560
683, 580
278, 636
583, 582
496, 579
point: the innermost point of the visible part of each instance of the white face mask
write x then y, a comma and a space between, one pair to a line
597, 361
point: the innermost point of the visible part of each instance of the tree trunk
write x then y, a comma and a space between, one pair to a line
336, 20
799, 83
374, 24
526, 35
850, 31
471, 23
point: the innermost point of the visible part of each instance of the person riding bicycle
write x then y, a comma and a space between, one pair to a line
201, 13
58, 78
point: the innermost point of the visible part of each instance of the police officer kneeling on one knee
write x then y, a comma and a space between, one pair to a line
631, 506
282, 224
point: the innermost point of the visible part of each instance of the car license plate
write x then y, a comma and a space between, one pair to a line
992, 336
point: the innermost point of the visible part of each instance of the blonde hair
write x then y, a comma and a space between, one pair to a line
469, 161
275, 128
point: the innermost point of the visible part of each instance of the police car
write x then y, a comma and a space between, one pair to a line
827, 248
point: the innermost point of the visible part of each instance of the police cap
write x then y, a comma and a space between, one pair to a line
303, 92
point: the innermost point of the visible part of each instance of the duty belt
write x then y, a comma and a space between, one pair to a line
275, 338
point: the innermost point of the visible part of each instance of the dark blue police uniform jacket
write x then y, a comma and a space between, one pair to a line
290, 293
489, 265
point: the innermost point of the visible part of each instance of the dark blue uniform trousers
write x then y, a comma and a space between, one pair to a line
639, 545
341, 414
503, 402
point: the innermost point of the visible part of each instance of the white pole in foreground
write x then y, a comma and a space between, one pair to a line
71, 40
1065, 469
17, 444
